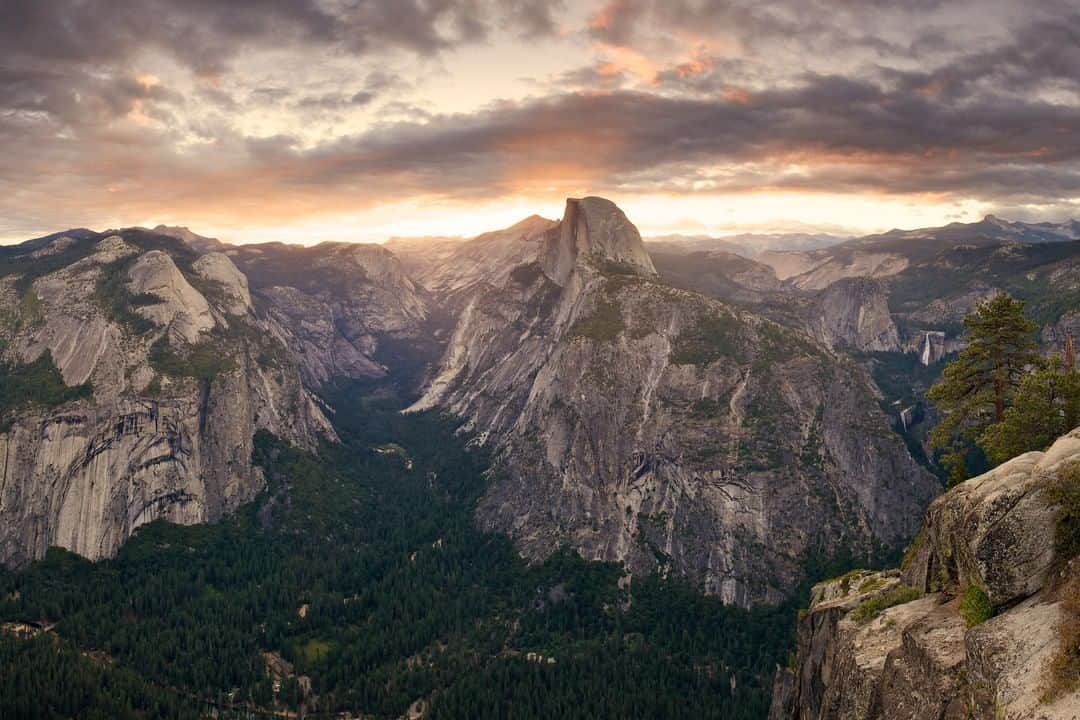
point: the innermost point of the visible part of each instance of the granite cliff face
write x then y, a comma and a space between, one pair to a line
451, 269
924, 280
919, 660
853, 314
334, 305
639, 422
183, 374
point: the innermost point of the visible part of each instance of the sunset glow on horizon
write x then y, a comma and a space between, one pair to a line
329, 120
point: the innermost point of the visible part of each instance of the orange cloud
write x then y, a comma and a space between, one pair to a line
738, 95
619, 59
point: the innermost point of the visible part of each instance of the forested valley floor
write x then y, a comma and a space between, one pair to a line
357, 583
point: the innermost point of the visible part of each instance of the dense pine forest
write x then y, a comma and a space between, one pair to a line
358, 583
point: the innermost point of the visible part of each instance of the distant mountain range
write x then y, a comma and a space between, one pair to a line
988, 230
667, 404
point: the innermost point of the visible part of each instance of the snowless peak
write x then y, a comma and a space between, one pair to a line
595, 231
199, 242
532, 222
219, 267
182, 309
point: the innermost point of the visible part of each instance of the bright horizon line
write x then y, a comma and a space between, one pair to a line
384, 224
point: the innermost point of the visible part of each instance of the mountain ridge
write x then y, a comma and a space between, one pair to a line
600, 389
525, 329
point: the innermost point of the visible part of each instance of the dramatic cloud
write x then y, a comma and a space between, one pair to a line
277, 111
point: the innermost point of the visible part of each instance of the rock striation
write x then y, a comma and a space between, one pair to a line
853, 314
177, 395
452, 268
593, 230
335, 305
231, 283
919, 659
643, 423
182, 308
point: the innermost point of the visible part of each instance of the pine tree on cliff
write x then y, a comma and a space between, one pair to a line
1046, 406
977, 388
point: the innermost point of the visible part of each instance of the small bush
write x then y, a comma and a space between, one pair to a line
1066, 493
873, 607
153, 388
975, 606
912, 550
708, 408
874, 582
846, 578
31, 310
525, 275
713, 337
202, 362
604, 325
118, 302
36, 383
1063, 670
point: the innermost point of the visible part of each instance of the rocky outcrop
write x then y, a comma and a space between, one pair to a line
335, 305
788, 264
952, 307
183, 309
230, 282
725, 276
593, 230
198, 243
167, 432
450, 268
844, 263
931, 346
917, 658
639, 422
1055, 336
854, 314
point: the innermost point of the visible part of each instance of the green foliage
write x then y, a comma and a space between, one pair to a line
36, 383
31, 309
708, 408
29, 268
1026, 272
912, 550
976, 389
204, 361
406, 599
712, 337
975, 606
1065, 492
901, 377
526, 274
40, 678
872, 607
780, 344
603, 325
1046, 406
871, 584
1063, 670
846, 579
153, 388
614, 268
118, 302
29, 312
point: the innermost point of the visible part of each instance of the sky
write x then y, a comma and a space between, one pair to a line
313, 120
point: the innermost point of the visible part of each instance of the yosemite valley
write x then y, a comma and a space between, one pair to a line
552, 470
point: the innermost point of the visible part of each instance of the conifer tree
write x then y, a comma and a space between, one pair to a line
1046, 406
976, 389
